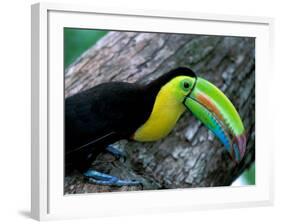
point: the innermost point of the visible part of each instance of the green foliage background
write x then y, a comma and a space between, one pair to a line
77, 41
249, 176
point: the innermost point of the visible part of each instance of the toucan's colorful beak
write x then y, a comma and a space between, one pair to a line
219, 115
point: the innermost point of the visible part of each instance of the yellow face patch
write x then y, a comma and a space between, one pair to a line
167, 109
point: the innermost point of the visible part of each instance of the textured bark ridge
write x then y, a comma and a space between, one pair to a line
189, 156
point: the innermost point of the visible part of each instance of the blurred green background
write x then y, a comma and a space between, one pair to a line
77, 41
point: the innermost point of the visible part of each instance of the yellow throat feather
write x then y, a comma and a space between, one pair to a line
166, 111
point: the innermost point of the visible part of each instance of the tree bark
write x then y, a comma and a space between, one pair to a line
189, 156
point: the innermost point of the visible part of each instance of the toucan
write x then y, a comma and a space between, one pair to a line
98, 117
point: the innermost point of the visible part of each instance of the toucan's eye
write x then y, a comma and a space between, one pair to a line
186, 85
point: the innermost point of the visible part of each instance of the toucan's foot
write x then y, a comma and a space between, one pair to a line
116, 152
96, 177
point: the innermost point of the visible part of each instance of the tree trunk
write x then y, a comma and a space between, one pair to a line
189, 156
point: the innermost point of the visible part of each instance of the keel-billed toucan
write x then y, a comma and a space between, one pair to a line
106, 113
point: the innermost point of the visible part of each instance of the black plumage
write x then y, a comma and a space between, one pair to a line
107, 113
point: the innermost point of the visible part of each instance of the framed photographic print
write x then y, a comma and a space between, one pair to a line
143, 111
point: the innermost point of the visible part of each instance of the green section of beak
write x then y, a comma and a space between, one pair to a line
219, 115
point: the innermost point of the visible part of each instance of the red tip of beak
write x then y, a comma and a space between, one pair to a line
239, 145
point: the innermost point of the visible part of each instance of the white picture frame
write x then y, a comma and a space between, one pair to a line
48, 201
